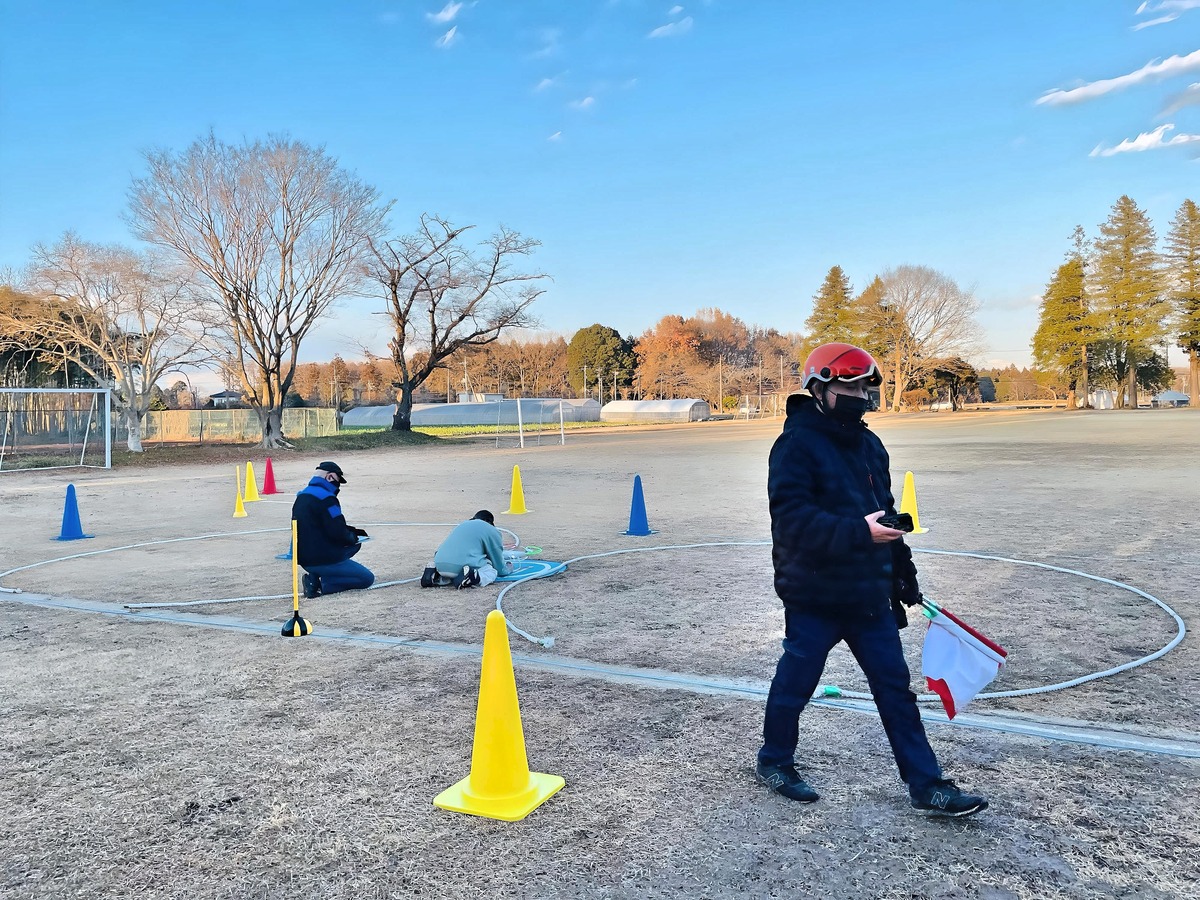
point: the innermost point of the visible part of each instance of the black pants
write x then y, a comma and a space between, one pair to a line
875, 643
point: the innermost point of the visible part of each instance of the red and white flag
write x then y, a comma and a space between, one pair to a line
957, 662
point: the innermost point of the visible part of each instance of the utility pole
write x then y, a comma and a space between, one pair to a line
760, 385
585, 390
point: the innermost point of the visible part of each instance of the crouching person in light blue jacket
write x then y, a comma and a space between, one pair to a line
471, 556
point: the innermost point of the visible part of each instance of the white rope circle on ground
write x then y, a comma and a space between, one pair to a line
1181, 631
548, 641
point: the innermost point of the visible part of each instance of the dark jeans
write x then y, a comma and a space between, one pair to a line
875, 643
346, 575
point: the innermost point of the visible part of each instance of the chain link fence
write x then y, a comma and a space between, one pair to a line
235, 426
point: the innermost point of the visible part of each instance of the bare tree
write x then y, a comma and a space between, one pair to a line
277, 230
122, 318
924, 317
443, 296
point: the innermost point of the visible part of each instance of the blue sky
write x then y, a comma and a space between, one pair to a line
668, 156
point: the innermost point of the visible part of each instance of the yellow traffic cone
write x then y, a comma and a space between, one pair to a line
908, 503
500, 785
251, 486
239, 511
516, 506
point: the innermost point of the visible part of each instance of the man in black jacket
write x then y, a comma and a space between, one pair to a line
842, 577
324, 541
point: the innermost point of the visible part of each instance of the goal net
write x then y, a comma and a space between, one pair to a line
50, 428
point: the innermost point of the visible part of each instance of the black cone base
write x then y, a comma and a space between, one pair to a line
296, 627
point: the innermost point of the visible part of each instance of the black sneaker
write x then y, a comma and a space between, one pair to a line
786, 780
312, 585
468, 578
429, 578
943, 798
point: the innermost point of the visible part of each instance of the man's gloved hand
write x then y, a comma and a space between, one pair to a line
360, 532
905, 587
906, 590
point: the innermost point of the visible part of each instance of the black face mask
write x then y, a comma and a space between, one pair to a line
849, 410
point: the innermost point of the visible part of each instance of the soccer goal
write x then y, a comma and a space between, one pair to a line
529, 421
53, 428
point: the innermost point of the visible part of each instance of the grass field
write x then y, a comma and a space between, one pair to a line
148, 757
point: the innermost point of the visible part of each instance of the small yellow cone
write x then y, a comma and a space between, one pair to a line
500, 785
516, 506
908, 503
251, 486
239, 511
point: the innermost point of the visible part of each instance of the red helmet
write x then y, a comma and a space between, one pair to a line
845, 362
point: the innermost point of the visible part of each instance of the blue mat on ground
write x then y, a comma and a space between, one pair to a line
533, 568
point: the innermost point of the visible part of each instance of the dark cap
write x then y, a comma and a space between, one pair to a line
335, 469
485, 516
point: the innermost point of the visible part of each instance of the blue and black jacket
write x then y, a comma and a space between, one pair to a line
824, 478
321, 530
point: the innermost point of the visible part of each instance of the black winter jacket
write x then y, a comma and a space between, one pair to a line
824, 478
322, 535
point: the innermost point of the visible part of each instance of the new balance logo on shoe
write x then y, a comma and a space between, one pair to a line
944, 798
786, 781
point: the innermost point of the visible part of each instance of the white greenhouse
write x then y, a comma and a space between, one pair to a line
689, 410
499, 412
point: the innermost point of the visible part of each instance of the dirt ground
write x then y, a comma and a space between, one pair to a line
151, 759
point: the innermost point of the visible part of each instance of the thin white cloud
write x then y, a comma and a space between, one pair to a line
1147, 140
551, 43
629, 84
675, 10
672, 29
1188, 97
557, 136
585, 103
1168, 6
1152, 71
1161, 20
448, 38
449, 11
543, 84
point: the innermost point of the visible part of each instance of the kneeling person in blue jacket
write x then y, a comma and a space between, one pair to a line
472, 555
324, 541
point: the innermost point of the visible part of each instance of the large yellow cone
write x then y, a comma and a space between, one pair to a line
239, 511
251, 487
516, 506
908, 503
500, 785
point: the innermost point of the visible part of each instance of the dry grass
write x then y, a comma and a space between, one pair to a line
145, 760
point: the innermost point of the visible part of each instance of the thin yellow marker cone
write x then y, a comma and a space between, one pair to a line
500, 785
908, 503
251, 487
516, 506
239, 510
296, 626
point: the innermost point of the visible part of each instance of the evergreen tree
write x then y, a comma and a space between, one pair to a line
602, 350
1063, 332
833, 315
1127, 294
870, 311
1183, 266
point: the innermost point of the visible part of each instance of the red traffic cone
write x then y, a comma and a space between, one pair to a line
269, 479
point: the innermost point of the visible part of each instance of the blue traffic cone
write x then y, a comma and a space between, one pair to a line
71, 529
638, 526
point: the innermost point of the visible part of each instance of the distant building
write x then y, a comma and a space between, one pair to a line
225, 399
